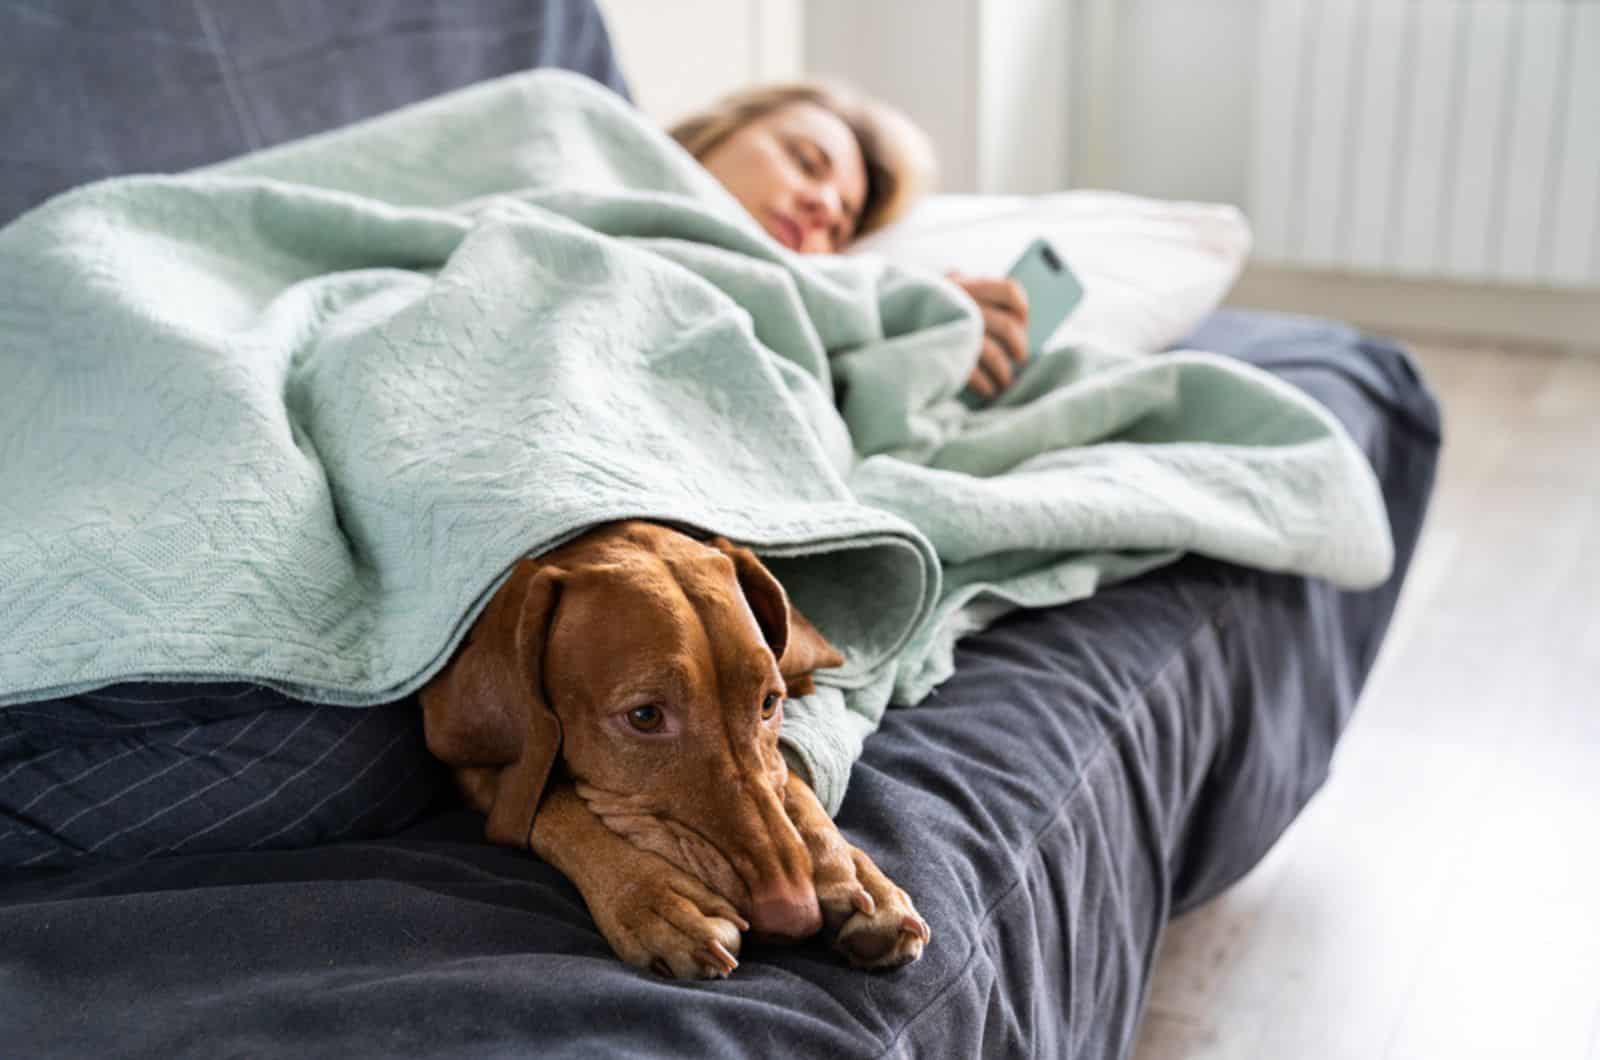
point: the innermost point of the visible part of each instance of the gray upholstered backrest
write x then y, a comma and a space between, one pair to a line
97, 88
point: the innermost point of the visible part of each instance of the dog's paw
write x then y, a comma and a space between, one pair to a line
672, 925
869, 920
880, 928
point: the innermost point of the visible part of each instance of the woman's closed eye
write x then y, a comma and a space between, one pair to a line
817, 166
809, 157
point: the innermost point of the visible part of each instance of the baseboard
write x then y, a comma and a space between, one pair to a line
1473, 313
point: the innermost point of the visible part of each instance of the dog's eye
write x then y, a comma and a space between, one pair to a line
647, 718
769, 706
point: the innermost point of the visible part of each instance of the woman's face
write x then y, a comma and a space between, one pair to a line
799, 171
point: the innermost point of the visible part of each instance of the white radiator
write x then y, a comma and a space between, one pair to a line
1457, 139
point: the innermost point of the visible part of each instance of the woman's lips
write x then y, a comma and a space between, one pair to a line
783, 229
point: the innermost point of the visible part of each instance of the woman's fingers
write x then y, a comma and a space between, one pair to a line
1006, 330
980, 383
993, 373
1000, 293
1004, 305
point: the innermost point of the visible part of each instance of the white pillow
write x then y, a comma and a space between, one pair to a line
1151, 269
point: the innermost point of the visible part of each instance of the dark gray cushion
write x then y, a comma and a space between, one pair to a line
95, 89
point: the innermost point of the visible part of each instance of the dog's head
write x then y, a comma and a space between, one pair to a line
651, 670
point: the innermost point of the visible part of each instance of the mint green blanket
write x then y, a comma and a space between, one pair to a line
291, 419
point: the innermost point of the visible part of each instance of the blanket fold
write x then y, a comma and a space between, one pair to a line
291, 419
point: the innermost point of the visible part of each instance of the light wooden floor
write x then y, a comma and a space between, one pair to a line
1440, 898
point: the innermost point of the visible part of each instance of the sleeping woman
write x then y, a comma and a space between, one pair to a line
819, 166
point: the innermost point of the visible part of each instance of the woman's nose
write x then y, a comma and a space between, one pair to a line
820, 205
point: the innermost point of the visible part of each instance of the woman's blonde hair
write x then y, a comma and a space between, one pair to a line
898, 156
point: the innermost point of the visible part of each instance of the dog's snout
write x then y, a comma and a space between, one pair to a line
785, 913
777, 868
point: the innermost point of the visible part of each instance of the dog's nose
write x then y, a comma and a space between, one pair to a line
783, 913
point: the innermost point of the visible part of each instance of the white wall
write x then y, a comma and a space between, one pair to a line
680, 54
1149, 96
1166, 90
1024, 95
915, 54
988, 80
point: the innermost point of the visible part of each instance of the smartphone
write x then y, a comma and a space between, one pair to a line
1053, 290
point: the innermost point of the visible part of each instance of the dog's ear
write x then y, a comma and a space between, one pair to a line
486, 712
800, 648
808, 651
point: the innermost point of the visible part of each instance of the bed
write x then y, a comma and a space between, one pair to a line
1088, 772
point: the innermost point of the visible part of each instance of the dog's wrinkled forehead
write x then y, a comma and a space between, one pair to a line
632, 620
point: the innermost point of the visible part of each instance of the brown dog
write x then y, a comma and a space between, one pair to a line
616, 709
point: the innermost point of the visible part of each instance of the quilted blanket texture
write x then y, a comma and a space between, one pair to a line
292, 418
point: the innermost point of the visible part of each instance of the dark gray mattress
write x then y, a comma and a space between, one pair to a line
1088, 771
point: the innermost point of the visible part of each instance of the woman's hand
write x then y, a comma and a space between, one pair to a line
1005, 331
